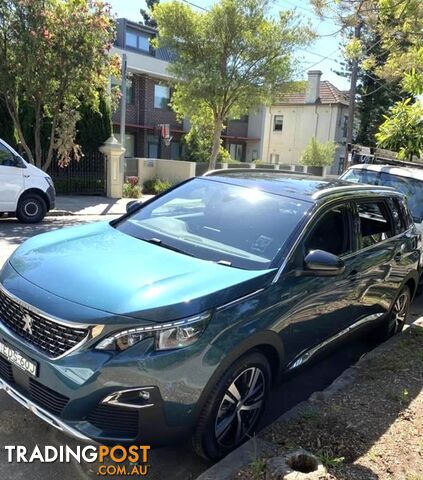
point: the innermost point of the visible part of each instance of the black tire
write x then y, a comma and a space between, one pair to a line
397, 317
215, 434
31, 208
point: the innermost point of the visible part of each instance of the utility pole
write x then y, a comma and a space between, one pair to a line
123, 101
353, 91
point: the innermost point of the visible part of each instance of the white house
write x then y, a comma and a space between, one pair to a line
286, 128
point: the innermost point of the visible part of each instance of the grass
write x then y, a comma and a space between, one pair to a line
329, 461
258, 468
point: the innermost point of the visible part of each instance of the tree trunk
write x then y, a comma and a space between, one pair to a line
218, 126
13, 112
37, 135
50, 152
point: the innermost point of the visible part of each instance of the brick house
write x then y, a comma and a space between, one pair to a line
148, 95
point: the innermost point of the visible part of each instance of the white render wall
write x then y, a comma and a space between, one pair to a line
300, 124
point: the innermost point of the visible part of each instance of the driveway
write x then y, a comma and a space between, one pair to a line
20, 427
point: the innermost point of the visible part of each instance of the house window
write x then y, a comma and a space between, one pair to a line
278, 123
274, 158
161, 96
130, 92
236, 151
153, 146
138, 41
175, 151
345, 126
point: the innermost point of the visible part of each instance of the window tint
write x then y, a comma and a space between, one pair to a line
332, 233
375, 224
6, 157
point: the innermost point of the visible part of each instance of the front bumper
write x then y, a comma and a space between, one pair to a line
43, 414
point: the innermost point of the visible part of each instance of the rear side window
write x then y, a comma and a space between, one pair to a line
375, 223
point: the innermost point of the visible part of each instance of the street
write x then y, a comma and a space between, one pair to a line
20, 427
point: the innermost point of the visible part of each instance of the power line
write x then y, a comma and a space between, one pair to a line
195, 5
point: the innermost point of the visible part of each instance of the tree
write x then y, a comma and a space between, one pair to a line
95, 125
53, 57
318, 154
402, 131
146, 13
227, 59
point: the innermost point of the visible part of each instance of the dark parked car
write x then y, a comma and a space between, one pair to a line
174, 320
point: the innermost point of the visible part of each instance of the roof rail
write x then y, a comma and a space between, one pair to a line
252, 170
345, 188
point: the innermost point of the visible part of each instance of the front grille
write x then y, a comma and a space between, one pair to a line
52, 338
115, 421
45, 397
6, 372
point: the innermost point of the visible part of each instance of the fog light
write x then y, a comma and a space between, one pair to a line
131, 398
144, 395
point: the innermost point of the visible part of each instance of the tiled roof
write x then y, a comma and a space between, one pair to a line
328, 94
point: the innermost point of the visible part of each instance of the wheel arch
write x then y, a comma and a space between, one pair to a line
38, 192
268, 343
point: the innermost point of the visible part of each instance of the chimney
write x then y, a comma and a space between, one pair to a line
313, 87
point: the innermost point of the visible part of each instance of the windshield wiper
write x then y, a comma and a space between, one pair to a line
157, 241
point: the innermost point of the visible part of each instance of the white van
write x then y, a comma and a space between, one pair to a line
25, 190
407, 180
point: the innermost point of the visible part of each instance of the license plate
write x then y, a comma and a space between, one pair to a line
18, 359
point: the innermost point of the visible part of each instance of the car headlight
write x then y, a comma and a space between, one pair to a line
169, 336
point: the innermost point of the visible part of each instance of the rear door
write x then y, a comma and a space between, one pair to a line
11, 180
381, 262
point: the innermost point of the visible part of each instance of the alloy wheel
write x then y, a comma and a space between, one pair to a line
399, 312
240, 407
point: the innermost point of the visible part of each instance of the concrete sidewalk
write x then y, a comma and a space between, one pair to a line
91, 205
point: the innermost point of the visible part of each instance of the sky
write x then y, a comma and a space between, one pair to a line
324, 54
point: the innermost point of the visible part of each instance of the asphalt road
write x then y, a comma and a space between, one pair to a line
20, 427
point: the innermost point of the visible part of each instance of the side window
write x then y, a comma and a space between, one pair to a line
361, 175
375, 223
405, 212
6, 157
399, 217
332, 233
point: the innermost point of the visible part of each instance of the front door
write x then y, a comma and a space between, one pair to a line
326, 305
11, 180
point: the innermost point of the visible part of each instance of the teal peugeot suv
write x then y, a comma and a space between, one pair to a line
174, 320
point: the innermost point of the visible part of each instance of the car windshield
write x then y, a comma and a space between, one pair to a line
412, 188
234, 225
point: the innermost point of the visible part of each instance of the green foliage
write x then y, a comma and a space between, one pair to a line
155, 186
131, 191
318, 154
402, 131
228, 59
198, 145
146, 13
95, 125
53, 57
7, 132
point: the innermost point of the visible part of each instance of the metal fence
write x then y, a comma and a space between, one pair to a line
84, 177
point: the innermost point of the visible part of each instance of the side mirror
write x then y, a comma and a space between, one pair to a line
19, 163
323, 263
132, 206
